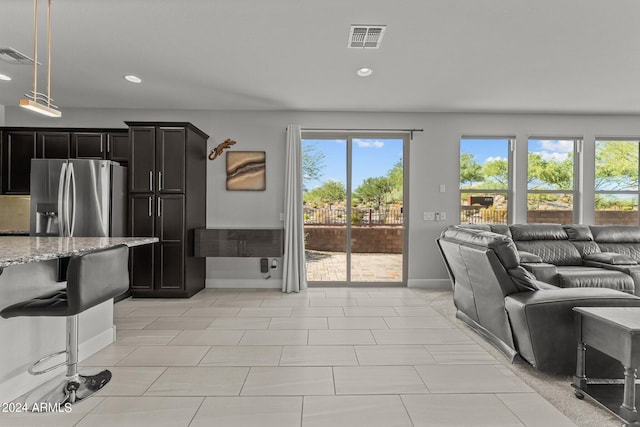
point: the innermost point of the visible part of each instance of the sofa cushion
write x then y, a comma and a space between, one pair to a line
557, 252
610, 258
615, 233
593, 277
538, 232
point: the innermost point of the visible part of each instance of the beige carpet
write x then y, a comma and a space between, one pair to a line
555, 389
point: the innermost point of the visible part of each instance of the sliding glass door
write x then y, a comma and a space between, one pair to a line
354, 207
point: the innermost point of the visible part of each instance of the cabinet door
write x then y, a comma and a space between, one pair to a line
170, 232
89, 145
118, 146
18, 149
170, 160
142, 158
142, 257
53, 145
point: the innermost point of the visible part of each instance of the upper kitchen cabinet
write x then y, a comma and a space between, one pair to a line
101, 146
158, 161
18, 148
53, 145
21, 144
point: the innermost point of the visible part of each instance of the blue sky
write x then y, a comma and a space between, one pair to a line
490, 149
371, 158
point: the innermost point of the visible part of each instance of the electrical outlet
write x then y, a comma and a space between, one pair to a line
429, 216
443, 216
281, 216
443, 188
264, 265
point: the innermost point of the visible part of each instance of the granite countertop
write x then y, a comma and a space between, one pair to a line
16, 250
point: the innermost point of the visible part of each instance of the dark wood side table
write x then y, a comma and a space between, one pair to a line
614, 331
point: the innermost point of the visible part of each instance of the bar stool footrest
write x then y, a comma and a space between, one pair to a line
53, 395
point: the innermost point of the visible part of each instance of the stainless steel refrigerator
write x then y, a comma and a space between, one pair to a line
78, 198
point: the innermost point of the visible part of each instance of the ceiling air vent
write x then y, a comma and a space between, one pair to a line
366, 36
12, 56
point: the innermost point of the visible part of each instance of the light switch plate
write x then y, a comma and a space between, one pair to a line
429, 216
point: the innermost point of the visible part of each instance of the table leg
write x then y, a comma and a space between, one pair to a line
580, 378
628, 409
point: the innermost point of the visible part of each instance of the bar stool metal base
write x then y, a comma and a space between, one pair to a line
54, 394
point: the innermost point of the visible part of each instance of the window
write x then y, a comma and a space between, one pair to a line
616, 182
485, 180
551, 181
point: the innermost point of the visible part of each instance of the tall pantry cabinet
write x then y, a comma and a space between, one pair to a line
167, 199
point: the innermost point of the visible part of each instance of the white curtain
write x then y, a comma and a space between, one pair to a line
294, 273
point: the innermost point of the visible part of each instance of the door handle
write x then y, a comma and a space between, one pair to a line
73, 200
61, 193
159, 206
150, 206
150, 180
159, 181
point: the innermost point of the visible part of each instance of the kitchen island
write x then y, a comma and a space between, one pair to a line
28, 268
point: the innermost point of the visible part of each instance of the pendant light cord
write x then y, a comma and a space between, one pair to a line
48, 53
35, 48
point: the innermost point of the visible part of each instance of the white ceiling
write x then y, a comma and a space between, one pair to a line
437, 55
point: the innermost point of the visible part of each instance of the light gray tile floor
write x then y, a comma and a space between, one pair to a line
324, 357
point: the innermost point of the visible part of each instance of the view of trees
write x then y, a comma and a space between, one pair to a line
616, 169
372, 192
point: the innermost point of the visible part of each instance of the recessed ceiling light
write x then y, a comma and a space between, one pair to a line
4, 77
133, 79
365, 72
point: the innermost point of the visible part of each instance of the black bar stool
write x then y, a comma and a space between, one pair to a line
92, 278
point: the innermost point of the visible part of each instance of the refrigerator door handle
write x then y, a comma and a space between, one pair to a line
61, 191
72, 181
67, 219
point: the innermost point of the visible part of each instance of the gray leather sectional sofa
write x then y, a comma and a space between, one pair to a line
579, 256
499, 296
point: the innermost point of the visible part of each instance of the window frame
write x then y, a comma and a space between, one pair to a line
509, 191
621, 192
575, 191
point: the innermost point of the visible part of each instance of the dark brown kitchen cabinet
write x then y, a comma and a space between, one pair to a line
21, 144
167, 185
101, 146
53, 145
18, 148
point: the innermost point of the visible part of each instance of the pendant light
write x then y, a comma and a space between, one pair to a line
36, 101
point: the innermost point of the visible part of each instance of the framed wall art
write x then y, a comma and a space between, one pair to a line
246, 170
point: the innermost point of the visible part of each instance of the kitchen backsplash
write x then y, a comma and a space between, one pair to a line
14, 213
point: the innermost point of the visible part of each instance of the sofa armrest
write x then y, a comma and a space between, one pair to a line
544, 272
610, 258
631, 270
528, 257
543, 327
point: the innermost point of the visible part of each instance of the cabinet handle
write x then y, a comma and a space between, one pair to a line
159, 206
150, 206
159, 181
150, 180
108, 144
101, 146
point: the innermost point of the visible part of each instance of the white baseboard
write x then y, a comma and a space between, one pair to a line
437, 284
24, 382
244, 283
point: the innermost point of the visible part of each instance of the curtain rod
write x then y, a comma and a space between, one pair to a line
410, 131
